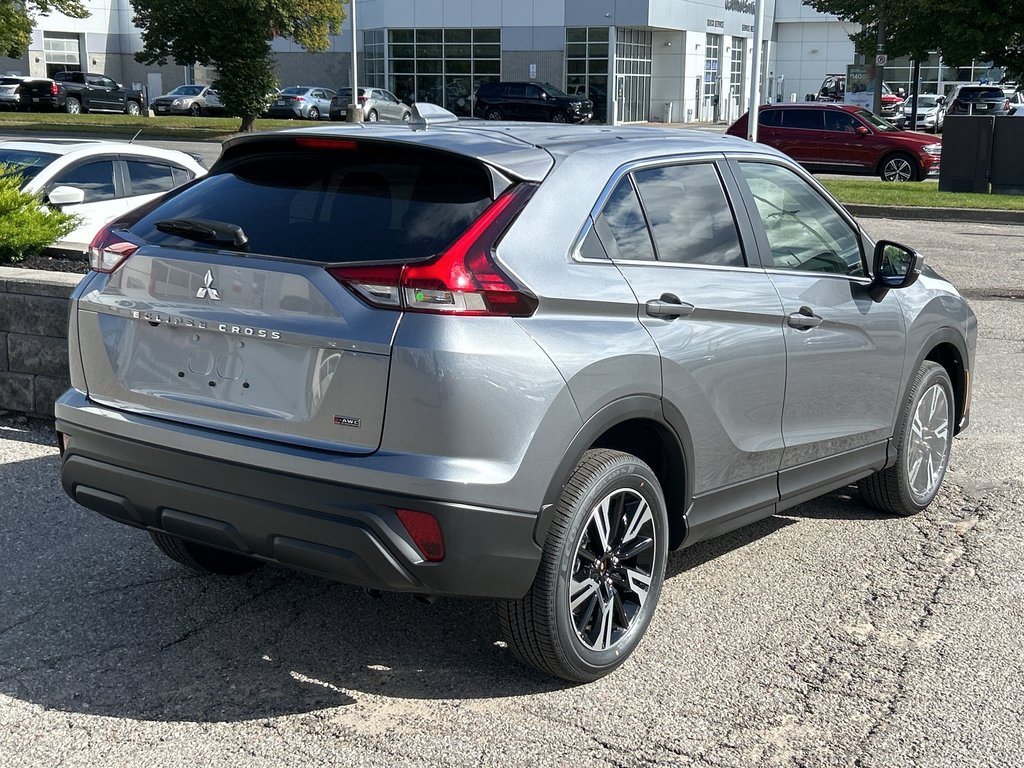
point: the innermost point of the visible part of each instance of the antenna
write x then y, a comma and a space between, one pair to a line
135, 136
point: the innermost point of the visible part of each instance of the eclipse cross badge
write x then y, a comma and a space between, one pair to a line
208, 291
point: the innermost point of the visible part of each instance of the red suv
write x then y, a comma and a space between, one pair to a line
843, 138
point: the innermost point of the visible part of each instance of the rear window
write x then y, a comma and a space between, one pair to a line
980, 94
376, 203
294, 91
803, 118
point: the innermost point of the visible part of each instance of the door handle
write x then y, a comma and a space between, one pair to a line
804, 319
668, 306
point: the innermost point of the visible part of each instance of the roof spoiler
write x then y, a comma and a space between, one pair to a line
425, 114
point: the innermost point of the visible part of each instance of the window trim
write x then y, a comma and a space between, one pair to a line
744, 232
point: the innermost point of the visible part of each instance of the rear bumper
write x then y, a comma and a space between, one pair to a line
341, 532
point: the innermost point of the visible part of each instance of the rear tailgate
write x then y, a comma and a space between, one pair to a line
269, 348
254, 335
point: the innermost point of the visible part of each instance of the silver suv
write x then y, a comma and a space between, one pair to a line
550, 356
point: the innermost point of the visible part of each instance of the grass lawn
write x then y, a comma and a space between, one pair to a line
126, 125
913, 194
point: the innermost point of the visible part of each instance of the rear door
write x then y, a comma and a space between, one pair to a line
801, 135
100, 179
714, 319
260, 338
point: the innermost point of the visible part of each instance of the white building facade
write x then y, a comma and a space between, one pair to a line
639, 60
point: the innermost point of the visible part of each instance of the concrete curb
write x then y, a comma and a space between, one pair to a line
977, 215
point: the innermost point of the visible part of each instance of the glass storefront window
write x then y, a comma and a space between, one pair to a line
633, 58
586, 66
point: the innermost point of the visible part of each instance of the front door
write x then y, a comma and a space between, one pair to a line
844, 351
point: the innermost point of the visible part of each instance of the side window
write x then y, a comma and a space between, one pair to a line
690, 217
516, 91
622, 227
181, 176
150, 178
842, 122
96, 179
804, 232
533, 92
803, 118
769, 117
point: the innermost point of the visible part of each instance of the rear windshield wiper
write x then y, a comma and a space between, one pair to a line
206, 231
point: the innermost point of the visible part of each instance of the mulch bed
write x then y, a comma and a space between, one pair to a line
54, 264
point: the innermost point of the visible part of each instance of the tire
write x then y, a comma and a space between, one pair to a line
559, 117
924, 435
202, 558
72, 106
899, 167
314, 114
567, 624
406, 117
493, 114
194, 110
132, 108
372, 116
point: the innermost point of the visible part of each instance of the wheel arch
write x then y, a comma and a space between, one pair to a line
947, 348
899, 151
635, 425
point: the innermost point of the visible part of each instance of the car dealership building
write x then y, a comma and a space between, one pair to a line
638, 60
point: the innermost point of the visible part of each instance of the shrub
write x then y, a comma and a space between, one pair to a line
26, 226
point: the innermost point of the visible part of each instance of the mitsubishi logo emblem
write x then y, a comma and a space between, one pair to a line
208, 291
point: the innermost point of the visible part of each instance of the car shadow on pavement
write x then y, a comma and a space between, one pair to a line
93, 619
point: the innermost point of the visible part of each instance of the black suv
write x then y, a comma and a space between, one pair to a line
977, 100
531, 101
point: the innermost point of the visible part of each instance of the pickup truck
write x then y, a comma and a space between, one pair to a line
92, 92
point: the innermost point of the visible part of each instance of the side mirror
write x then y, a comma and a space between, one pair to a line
894, 266
862, 130
60, 196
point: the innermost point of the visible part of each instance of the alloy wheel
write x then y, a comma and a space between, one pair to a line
898, 169
612, 570
928, 443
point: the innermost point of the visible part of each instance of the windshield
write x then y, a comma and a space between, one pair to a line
880, 125
925, 102
23, 162
187, 90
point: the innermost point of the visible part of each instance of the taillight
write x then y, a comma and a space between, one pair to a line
362, 99
1006, 105
108, 250
464, 280
54, 89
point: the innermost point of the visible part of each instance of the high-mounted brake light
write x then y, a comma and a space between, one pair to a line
463, 280
108, 250
339, 144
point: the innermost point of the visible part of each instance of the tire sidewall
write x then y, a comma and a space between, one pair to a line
934, 374
626, 474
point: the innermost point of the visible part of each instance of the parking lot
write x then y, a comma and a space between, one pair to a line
824, 636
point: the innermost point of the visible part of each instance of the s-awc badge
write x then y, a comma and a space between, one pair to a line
346, 421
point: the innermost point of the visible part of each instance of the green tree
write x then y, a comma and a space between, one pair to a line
234, 36
961, 29
26, 226
17, 17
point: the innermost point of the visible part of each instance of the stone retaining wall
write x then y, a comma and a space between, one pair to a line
33, 339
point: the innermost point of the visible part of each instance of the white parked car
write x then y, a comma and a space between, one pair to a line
96, 180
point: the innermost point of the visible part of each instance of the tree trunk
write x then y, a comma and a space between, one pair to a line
247, 123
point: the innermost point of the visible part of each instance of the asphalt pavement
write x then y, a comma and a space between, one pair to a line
825, 636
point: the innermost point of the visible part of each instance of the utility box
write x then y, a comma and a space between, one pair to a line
1008, 156
966, 153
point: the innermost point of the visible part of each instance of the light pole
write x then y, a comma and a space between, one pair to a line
355, 112
755, 70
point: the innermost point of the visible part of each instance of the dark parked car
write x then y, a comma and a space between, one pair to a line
843, 138
560, 353
94, 92
977, 100
531, 101
31, 94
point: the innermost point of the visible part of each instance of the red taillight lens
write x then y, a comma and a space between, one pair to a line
464, 280
108, 250
54, 89
362, 99
425, 532
1006, 105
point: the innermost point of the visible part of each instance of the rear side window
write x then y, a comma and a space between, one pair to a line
803, 118
691, 219
149, 178
622, 227
374, 203
769, 117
